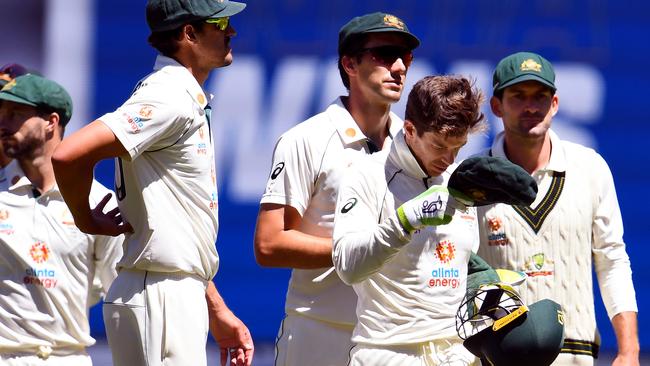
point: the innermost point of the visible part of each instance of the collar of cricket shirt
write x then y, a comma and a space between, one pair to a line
404, 159
184, 77
347, 127
557, 162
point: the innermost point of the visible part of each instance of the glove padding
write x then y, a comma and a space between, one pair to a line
433, 207
487, 180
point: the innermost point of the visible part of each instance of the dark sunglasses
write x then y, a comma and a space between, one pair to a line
387, 55
222, 23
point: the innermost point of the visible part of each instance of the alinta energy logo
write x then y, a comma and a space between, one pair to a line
497, 235
40, 253
5, 227
445, 276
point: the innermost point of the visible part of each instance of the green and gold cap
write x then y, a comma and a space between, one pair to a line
375, 23
523, 66
164, 15
39, 92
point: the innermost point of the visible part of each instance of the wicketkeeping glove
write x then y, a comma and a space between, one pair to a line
433, 207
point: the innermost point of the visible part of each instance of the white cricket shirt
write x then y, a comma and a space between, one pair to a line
47, 267
574, 223
409, 287
309, 162
166, 186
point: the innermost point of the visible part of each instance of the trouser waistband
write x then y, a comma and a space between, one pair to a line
580, 347
43, 352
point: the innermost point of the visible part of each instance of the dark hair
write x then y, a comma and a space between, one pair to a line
45, 112
352, 48
166, 42
450, 105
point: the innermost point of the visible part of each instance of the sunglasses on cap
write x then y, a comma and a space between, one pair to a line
222, 23
387, 55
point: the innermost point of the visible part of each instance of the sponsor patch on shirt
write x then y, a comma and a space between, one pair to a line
497, 235
6, 227
443, 275
40, 277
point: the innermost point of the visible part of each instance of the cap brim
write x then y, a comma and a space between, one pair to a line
16, 99
231, 9
526, 77
513, 278
412, 40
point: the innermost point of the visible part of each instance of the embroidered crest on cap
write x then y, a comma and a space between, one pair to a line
9, 85
530, 65
393, 21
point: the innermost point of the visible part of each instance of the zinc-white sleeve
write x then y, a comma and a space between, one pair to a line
293, 174
611, 262
152, 118
361, 244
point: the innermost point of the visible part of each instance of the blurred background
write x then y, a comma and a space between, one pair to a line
285, 70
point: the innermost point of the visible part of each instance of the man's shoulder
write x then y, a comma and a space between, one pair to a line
314, 131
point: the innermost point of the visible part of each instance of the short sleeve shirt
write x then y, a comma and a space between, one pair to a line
48, 266
166, 186
309, 162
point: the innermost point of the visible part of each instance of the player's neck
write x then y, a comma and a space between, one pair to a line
372, 118
530, 154
38, 167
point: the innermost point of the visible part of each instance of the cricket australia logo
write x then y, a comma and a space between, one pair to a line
39, 252
539, 265
530, 65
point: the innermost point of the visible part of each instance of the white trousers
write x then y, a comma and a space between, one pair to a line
569, 359
442, 352
155, 318
304, 341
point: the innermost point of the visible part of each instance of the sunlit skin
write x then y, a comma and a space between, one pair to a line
203, 50
433, 151
527, 109
22, 130
380, 84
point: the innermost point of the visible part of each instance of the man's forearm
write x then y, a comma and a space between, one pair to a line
625, 327
294, 249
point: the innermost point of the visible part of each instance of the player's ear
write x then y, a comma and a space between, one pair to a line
409, 129
189, 32
555, 104
52, 122
349, 64
495, 105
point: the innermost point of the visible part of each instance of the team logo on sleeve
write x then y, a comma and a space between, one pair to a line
348, 205
277, 170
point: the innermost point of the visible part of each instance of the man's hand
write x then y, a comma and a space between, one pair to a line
433, 207
231, 334
233, 338
100, 223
